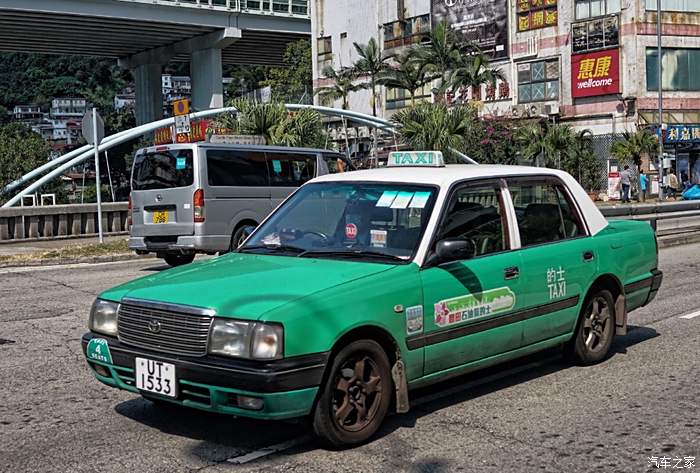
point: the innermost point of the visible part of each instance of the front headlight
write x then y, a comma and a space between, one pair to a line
103, 317
253, 340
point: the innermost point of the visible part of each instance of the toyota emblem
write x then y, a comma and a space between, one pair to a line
154, 326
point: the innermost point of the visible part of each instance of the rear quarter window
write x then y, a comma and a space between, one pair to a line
291, 169
163, 170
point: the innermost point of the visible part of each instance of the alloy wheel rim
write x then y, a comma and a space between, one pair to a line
597, 325
357, 393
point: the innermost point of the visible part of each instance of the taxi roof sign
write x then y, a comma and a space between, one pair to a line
416, 158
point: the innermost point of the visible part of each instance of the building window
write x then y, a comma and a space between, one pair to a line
535, 14
538, 81
325, 48
593, 8
400, 98
601, 33
679, 69
405, 32
675, 5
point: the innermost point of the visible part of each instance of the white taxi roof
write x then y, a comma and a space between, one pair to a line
451, 173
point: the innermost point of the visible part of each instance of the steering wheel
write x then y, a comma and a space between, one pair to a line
321, 235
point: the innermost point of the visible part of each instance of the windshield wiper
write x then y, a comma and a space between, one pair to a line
275, 248
352, 254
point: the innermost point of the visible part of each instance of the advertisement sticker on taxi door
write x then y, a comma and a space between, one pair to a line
473, 306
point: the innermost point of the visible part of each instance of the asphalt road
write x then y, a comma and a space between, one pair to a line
539, 414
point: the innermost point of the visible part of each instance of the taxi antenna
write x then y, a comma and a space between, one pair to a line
465, 159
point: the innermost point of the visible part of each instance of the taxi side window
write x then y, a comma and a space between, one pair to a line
475, 213
544, 213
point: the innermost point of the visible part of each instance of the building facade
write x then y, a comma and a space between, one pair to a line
587, 63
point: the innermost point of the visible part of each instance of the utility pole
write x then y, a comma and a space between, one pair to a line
96, 140
661, 103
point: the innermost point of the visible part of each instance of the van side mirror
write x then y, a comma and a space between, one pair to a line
453, 249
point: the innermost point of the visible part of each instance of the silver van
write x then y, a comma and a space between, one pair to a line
207, 198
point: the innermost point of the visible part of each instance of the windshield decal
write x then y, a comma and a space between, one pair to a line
350, 231
377, 238
401, 201
473, 306
386, 199
180, 163
419, 201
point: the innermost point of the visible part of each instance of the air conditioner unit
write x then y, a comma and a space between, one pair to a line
535, 110
341, 135
352, 132
333, 134
517, 111
363, 132
552, 109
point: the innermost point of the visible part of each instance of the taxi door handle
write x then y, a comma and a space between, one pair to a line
588, 256
511, 273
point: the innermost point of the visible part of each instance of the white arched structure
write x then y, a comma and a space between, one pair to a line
75, 157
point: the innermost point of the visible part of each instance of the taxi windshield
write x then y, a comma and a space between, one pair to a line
348, 220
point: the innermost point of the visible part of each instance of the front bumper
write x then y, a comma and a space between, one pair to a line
287, 387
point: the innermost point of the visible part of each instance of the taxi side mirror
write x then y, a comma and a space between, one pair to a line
453, 249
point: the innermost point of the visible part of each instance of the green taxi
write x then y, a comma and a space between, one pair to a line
364, 285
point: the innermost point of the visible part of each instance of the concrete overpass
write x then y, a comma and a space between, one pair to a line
147, 34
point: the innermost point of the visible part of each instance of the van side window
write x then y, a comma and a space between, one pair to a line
291, 170
475, 213
544, 213
236, 168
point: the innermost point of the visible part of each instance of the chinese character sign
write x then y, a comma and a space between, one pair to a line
595, 73
535, 14
682, 134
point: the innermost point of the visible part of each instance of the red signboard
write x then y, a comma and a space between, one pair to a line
595, 73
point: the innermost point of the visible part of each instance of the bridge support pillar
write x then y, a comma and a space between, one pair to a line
149, 93
207, 79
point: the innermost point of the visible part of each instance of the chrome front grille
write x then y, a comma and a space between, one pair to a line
159, 327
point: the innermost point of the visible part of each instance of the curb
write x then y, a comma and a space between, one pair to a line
86, 260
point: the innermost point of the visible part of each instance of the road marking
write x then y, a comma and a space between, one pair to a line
263, 452
58, 267
692, 315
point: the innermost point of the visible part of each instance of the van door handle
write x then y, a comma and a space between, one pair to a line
511, 273
588, 256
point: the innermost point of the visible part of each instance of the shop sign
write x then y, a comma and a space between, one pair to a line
535, 14
594, 74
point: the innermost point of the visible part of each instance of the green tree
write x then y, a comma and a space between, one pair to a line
473, 71
407, 74
292, 81
435, 127
340, 87
634, 145
21, 150
549, 145
443, 53
371, 63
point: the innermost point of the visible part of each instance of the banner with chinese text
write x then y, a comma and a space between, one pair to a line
485, 22
594, 74
535, 14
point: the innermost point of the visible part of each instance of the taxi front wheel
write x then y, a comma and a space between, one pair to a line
596, 329
356, 395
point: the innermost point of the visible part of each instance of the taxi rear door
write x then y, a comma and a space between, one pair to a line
469, 304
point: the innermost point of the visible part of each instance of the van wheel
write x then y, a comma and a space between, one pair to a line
595, 331
356, 395
240, 235
174, 259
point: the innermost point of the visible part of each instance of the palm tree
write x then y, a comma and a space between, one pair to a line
443, 53
372, 63
530, 139
342, 84
435, 127
634, 145
548, 144
406, 75
473, 72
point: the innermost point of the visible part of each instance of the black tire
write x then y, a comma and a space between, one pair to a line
175, 259
595, 330
355, 396
239, 236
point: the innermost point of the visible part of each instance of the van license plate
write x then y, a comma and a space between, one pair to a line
156, 377
160, 216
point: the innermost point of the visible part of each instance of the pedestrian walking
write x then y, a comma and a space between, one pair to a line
643, 182
625, 182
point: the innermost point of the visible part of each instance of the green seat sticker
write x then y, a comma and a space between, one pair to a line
98, 350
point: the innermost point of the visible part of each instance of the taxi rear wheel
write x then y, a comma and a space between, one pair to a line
356, 395
596, 329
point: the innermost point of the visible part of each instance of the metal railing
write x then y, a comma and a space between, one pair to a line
299, 8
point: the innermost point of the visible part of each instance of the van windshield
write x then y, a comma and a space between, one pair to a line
163, 170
